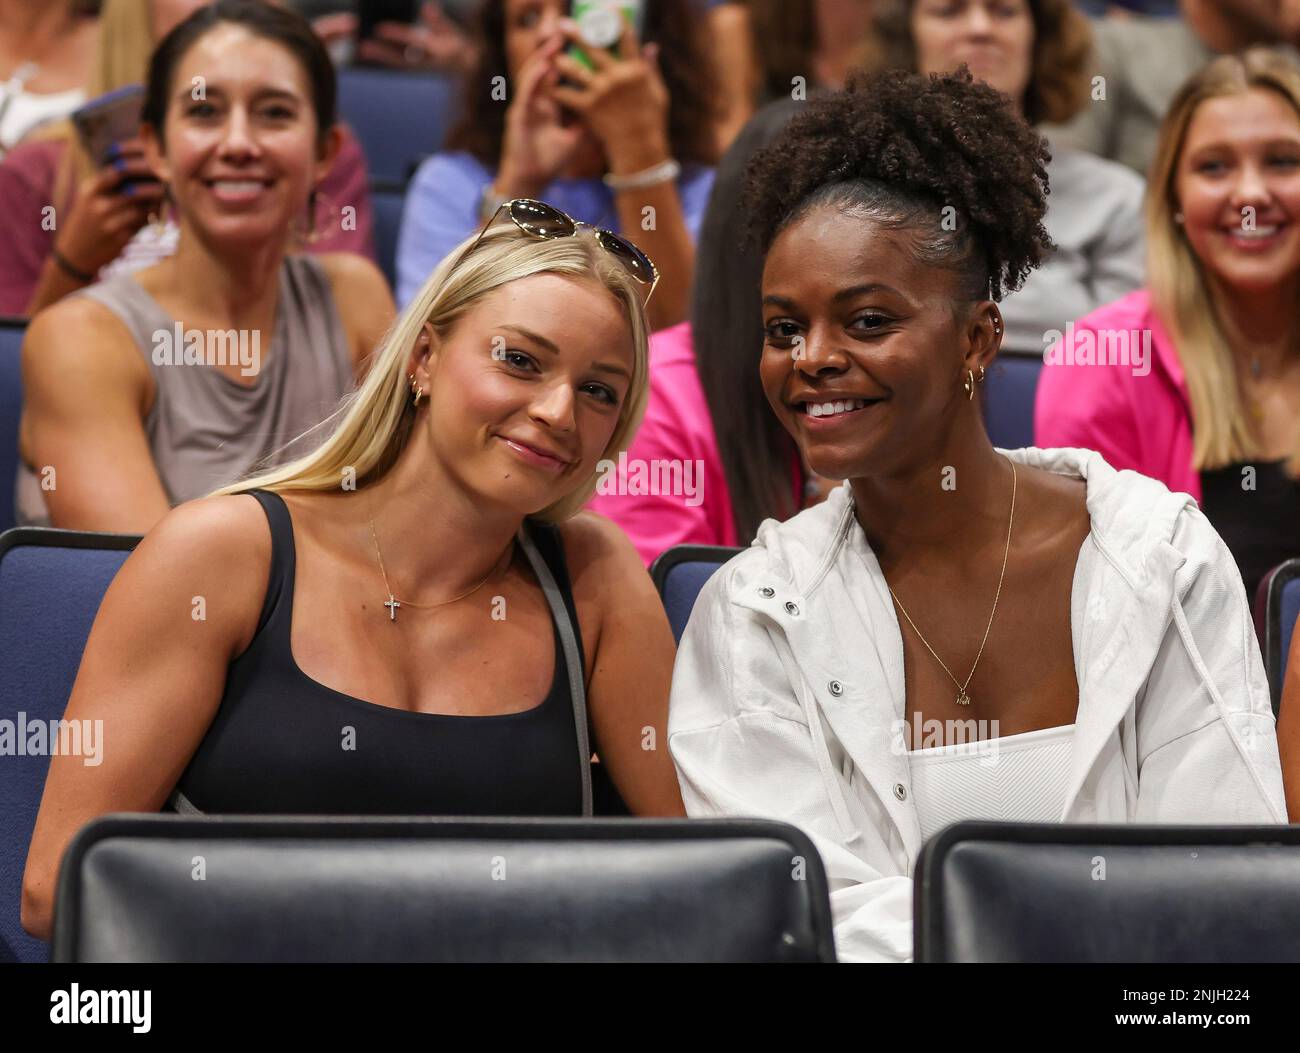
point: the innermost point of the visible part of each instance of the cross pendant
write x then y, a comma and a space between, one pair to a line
963, 699
392, 604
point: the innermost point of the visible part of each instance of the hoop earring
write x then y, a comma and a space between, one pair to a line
980, 380
969, 384
416, 390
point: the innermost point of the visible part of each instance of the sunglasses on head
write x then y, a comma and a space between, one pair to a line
541, 220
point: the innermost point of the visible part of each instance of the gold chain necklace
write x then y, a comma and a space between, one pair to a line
393, 602
963, 699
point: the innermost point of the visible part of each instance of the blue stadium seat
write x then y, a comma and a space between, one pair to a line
399, 118
387, 205
11, 404
1277, 607
1009, 391
51, 584
680, 573
289, 889
1030, 892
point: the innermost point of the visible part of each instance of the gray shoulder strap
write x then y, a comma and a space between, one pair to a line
181, 804
577, 686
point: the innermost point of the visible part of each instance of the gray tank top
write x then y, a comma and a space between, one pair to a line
206, 429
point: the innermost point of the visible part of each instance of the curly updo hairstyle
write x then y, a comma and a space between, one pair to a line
941, 157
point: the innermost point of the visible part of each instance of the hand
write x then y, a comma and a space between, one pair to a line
624, 100
434, 43
106, 214
537, 142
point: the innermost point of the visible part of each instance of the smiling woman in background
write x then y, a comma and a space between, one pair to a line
119, 421
821, 664
1212, 405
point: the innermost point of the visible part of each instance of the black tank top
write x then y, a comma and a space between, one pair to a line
280, 741
1261, 525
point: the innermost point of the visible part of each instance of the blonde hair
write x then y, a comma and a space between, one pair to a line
373, 424
126, 41
1222, 432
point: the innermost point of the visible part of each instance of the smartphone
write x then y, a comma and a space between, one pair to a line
601, 23
371, 12
107, 120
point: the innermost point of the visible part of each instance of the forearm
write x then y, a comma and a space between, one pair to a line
652, 218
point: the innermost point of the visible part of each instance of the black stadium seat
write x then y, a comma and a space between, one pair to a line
274, 889
1029, 892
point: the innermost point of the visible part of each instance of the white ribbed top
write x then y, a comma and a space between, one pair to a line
1016, 778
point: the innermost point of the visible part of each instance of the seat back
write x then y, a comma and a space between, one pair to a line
51, 584
680, 573
1279, 596
11, 406
1061, 892
273, 889
387, 205
399, 118
1009, 391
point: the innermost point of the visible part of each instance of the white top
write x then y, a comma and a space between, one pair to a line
789, 691
1015, 778
27, 110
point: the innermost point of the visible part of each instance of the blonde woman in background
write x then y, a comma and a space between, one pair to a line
1196, 380
406, 568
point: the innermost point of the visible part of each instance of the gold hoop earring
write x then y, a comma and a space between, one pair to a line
969, 384
981, 376
417, 390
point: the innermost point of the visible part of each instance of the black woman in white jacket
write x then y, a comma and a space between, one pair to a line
958, 631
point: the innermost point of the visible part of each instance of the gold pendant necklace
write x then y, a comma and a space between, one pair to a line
963, 699
393, 603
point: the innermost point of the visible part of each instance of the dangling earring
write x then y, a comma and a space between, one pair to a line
158, 220
981, 376
316, 231
969, 384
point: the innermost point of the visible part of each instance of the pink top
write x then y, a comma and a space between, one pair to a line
675, 454
29, 172
1113, 383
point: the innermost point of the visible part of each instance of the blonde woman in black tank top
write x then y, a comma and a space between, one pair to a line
122, 419
403, 593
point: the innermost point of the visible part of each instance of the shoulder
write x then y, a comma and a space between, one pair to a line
1080, 174
448, 172
214, 548
54, 339
596, 550
33, 164
351, 277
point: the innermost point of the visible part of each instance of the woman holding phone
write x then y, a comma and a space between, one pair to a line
72, 218
152, 388
417, 583
623, 145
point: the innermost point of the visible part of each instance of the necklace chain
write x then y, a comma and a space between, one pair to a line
963, 699
394, 603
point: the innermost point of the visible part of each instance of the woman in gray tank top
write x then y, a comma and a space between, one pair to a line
150, 389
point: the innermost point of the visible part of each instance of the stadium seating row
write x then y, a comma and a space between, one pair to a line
51, 584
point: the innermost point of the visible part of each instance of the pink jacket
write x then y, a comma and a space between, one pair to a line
1113, 383
676, 444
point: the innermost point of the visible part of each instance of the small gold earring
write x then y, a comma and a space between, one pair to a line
969, 384
981, 378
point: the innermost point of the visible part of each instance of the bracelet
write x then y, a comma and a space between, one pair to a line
655, 174
69, 269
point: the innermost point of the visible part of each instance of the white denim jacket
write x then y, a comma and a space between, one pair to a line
788, 691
